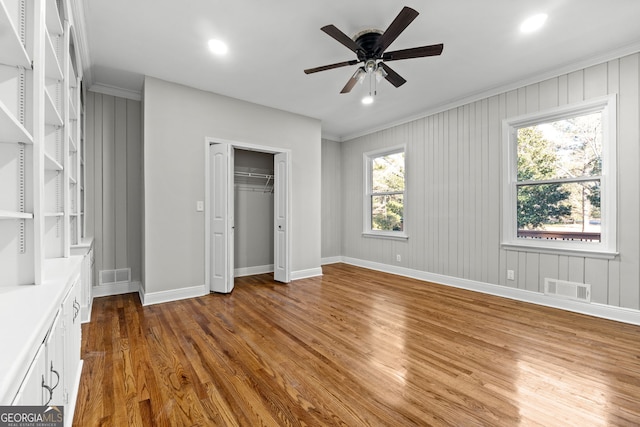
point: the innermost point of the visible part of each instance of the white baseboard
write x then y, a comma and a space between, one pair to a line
303, 274
250, 271
115, 289
610, 312
172, 295
331, 260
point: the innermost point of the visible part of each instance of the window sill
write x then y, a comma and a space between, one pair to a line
580, 252
383, 235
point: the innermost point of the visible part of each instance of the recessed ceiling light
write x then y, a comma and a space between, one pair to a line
218, 46
367, 100
533, 23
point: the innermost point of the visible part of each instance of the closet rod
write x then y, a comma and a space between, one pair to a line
253, 175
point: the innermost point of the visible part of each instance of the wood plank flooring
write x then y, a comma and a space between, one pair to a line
352, 348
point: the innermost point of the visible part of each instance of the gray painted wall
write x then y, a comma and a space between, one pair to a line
453, 206
331, 199
114, 182
253, 246
176, 121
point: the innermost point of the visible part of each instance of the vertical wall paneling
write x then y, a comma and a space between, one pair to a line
548, 268
452, 194
108, 184
120, 183
89, 160
467, 206
134, 188
455, 224
114, 182
97, 189
628, 181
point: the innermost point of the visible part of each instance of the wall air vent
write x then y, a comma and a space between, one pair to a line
569, 290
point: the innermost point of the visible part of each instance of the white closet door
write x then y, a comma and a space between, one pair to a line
222, 218
281, 218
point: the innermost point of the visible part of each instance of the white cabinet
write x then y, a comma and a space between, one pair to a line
72, 342
53, 380
31, 391
53, 374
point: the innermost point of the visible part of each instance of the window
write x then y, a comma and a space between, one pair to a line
385, 197
559, 194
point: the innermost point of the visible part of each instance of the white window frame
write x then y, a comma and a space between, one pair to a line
368, 161
607, 247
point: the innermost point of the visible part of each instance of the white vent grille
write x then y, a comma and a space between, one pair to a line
569, 290
110, 277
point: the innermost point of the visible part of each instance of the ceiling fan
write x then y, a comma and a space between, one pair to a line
369, 47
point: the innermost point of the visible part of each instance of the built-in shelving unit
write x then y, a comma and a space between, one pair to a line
41, 181
41, 142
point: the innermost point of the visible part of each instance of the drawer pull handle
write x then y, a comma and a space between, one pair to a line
50, 389
57, 377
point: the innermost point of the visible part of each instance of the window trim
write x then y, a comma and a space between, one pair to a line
367, 162
607, 247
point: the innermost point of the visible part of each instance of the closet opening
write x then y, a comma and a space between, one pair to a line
247, 213
253, 206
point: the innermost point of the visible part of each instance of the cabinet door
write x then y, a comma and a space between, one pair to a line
31, 391
71, 311
54, 379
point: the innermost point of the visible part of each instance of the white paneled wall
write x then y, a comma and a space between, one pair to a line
114, 181
453, 210
331, 199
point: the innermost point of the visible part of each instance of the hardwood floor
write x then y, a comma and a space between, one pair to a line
354, 347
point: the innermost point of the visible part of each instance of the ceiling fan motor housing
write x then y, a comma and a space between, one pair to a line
367, 40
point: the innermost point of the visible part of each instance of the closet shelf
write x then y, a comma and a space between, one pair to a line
254, 181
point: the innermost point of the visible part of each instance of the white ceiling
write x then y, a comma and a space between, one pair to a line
272, 42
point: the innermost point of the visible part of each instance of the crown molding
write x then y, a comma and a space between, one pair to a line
623, 51
79, 23
116, 91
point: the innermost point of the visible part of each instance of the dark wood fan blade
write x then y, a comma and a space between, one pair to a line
392, 77
331, 67
402, 21
353, 80
416, 52
341, 37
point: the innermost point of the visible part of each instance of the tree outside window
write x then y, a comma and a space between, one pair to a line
559, 178
385, 196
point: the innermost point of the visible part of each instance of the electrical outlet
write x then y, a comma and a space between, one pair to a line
511, 275
398, 258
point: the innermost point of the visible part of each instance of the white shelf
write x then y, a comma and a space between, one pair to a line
52, 65
73, 114
15, 215
11, 130
53, 214
72, 144
52, 117
72, 180
12, 52
51, 164
54, 25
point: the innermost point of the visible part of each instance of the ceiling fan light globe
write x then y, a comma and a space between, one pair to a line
367, 100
